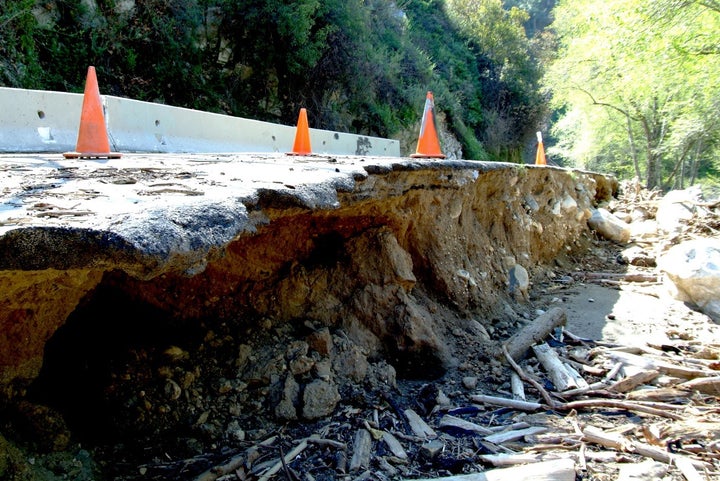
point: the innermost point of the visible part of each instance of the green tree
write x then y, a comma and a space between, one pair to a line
539, 14
361, 66
510, 72
18, 56
275, 45
633, 76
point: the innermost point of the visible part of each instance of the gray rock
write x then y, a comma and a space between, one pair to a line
301, 365
235, 432
323, 369
319, 399
297, 349
243, 358
676, 208
351, 363
470, 382
637, 256
432, 449
382, 375
287, 407
479, 330
519, 281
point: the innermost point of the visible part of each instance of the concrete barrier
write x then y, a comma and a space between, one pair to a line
44, 121
38, 121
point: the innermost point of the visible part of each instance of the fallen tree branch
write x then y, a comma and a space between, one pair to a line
548, 400
707, 385
588, 403
512, 435
555, 470
662, 366
636, 277
583, 390
558, 373
505, 402
284, 460
232, 465
505, 460
631, 382
622, 443
212, 474
687, 468
453, 422
534, 332
614, 403
517, 387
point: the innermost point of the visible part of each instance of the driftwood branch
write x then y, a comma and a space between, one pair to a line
505, 402
707, 385
555, 470
631, 382
504, 460
614, 403
534, 332
622, 443
284, 460
662, 366
233, 464
550, 401
517, 387
453, 422
588, 403
514, 434
626, 277
558, 373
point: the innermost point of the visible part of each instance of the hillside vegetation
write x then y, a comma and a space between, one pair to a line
623, 86
357, 66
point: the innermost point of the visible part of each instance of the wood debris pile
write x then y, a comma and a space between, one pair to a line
573, 409
577, 408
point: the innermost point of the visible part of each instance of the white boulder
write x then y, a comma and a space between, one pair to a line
676, 208
693, 267
609, 226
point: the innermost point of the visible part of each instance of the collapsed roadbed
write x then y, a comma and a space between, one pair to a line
135, 292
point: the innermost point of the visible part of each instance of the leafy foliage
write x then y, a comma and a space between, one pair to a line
18, 60
361, 66
638, 82
509, 73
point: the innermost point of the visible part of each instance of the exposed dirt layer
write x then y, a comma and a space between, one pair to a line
344, 338
221, 429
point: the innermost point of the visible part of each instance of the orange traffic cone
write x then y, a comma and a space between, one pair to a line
302, 136
540, 155
92, 141
428, 144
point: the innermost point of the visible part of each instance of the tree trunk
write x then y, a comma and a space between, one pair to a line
695, 162
633, 149
653, 161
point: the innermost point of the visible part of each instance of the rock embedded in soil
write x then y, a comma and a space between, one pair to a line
286, 409
321, 341
319, 399
288, 282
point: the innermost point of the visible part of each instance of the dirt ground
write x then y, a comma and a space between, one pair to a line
616, 314
626, 313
